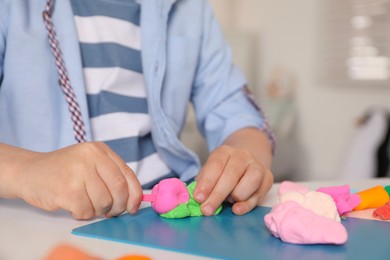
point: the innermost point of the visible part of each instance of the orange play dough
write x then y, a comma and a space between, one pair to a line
372, 198
69, 252
66, 252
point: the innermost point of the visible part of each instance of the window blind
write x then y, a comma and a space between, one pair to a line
354, 43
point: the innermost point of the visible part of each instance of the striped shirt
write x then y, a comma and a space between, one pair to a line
110, 44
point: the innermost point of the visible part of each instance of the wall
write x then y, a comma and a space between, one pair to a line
286, 34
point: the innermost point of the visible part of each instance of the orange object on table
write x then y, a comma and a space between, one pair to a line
372, 198
66, 252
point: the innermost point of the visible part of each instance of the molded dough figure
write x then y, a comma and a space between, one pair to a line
171, 198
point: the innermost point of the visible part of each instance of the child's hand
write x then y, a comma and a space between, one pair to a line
86, 179
232, 174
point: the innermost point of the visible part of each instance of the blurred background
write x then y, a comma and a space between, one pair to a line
321, 71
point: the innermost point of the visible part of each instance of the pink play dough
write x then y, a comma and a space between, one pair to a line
320, 203
302, 216
342, 196
291, 186
295, 224
167, 195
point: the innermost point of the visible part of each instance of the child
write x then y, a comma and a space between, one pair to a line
93, 97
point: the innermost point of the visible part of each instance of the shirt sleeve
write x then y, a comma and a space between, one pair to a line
222, 103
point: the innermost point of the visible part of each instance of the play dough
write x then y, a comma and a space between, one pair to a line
172, 198
374, 197
382, 212
342, 196
295, 224
302, 216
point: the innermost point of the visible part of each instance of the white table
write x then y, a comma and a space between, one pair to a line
30, 233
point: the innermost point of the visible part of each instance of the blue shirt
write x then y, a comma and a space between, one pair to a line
110, 44
184, 58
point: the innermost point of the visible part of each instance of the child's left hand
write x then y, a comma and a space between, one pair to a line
235, 175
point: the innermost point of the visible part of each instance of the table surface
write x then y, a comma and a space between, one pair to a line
30, 233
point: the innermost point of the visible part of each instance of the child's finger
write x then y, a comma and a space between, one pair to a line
134, 189
99, 194
210, 173
111, 175
227, 182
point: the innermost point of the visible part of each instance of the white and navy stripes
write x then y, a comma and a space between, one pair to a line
109, 36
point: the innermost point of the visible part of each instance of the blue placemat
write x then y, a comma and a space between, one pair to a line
227, 236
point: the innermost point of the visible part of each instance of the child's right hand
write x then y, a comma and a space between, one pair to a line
86, 179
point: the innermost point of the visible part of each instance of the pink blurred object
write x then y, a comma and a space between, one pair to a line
295, 224
335, 191
286, 186
318, 202
167, 195
302, 216
344, 199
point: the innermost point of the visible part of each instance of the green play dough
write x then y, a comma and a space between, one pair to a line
189, 209
387, 188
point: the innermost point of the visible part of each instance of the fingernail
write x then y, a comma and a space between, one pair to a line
208, 210
200, 197
133, 210
237, 209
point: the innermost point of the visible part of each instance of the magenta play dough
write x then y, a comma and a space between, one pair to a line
167, 195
